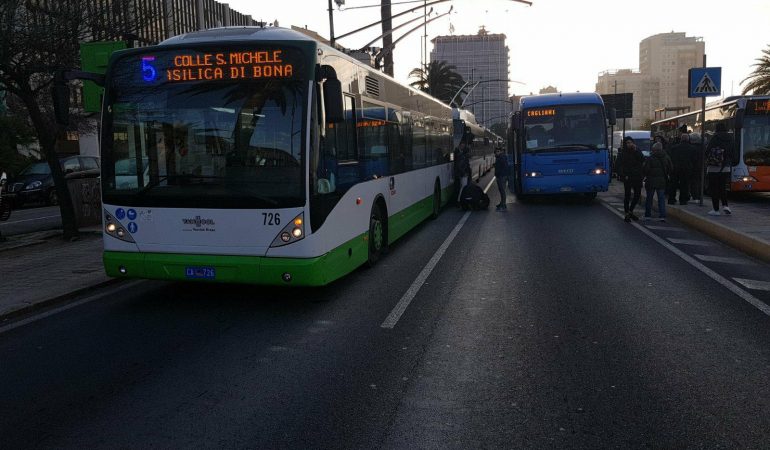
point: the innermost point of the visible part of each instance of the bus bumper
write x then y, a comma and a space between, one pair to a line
260, 270
566, 185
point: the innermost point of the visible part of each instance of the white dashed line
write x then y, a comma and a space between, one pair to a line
662, 228
732, 287
754, 284
691, 242
725, 259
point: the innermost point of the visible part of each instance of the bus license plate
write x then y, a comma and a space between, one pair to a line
566, 189
205, 273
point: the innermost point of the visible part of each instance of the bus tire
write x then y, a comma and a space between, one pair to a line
377, 241
590, 196
436, 201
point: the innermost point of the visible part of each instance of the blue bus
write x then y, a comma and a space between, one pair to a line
559, 145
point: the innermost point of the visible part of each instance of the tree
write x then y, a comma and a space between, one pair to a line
759, 79
438, 79
37, 39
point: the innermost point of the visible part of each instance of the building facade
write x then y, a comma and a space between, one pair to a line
661, 81
482, 57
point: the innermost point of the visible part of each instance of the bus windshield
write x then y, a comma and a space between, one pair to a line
564, 128
756, 141
223, 144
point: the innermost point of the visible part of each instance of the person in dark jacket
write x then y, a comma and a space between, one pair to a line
501, 175
682, 156
719, 171
462, 168
656, 171
630, 171
696, 176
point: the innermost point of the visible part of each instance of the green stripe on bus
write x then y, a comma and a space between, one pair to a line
242, 269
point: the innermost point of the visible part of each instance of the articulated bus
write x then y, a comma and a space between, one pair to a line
748, 120
259, 155
559, 144
481, 141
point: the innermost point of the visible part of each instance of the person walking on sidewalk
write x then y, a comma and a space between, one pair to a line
630, 171
682, 156
719, 154
501, 175
656, 170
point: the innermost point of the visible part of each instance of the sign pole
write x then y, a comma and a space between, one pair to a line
703, 143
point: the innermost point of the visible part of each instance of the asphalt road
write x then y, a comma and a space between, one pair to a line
552, 325
30, 220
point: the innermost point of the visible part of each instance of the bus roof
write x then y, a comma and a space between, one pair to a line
237, 34
566, 98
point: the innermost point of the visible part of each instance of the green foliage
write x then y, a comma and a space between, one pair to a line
759, 79
13, 131
438, 79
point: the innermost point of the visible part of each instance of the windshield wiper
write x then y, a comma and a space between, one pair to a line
591, 146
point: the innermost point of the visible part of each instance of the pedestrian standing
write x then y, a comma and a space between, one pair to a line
462, 168
501, 175
718, 167
682, 157
630, 163
656, 171
696, 175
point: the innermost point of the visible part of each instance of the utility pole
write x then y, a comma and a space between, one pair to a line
703, 143
387, 35
331, 24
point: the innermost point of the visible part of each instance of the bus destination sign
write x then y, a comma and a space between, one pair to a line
541, 112
758, 107
214, 66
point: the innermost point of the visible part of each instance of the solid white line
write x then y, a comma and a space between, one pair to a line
710, 273
691, 242
407, 298
60, 309
725, 259
28, 220
754, 284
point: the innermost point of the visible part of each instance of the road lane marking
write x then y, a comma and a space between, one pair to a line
754, 284
725, 259
407, 298
694, 242
662, 228
29, 220
51, 312
732, 287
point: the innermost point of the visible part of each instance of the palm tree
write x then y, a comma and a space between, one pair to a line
438, 79
759, 79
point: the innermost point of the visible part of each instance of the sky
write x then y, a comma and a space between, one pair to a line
563, 43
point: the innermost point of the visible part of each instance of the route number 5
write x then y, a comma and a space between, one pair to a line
148, 71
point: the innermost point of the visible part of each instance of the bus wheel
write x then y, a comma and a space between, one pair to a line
589, 196
436, 201
377, 236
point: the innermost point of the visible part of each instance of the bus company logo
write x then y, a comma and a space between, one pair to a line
566, 171
198, 222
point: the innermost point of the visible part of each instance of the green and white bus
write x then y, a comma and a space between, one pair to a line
260, 155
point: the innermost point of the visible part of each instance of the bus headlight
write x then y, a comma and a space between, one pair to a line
748, 179
114, 228
291, 233
598, 171
533, 174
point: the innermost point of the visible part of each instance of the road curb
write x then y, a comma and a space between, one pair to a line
59, 300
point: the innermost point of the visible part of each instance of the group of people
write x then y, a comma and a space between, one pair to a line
470, 194
676, 169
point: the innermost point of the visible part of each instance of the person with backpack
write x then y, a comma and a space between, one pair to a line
630, 162
719, 161
501, 174
657, 168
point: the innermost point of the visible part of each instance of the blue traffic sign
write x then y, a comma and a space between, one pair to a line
705, 82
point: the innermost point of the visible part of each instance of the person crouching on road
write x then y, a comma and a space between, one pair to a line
501, 175
630, 171
656, 170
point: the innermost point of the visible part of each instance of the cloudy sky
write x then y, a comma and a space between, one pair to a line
564, 43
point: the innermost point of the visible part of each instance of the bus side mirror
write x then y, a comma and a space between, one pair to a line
61, 99
516, 120
332, 92
612, 116
739, 118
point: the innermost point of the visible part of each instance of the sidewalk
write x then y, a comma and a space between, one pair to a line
747, 229
40, 269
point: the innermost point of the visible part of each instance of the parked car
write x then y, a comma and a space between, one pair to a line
35, 182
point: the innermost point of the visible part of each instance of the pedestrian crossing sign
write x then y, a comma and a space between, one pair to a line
705, 81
